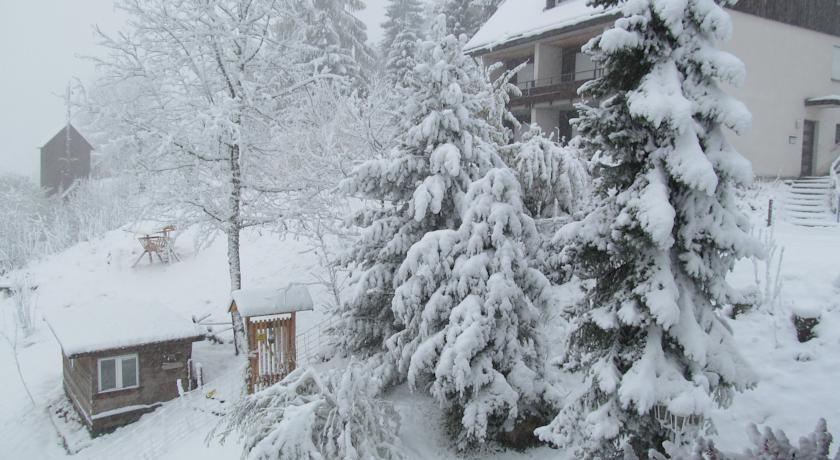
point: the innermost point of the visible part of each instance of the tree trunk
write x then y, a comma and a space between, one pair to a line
234, 227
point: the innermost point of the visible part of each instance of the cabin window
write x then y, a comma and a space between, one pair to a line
118, 373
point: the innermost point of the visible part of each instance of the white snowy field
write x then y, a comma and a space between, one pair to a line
798, 382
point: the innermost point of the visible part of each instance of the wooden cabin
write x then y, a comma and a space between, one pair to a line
120, 363
270, 317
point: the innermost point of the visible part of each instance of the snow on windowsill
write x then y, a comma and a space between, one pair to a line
117, 390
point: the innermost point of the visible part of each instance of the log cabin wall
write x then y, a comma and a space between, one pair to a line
79, 375
160, 367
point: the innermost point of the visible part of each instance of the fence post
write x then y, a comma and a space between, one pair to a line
770, 213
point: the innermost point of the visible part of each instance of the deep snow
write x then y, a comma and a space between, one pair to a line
797, 383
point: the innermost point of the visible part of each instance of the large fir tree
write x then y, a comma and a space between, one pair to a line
664, 235
447, 142
403, 29
336, 39
401, 15
466, 16
470, 305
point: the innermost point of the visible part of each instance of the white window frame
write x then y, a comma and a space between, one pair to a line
118, 371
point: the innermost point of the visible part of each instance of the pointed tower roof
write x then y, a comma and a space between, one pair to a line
74, 134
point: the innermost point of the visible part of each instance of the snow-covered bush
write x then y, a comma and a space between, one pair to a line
310, 416
36, 225
23, 297
768, 444
554, 178
23, 207
446, 143
663, 235
471, 307
774, 444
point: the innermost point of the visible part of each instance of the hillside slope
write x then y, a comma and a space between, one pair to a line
797, 381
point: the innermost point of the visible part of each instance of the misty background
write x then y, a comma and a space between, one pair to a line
41, 46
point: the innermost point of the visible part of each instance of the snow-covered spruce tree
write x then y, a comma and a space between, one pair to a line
336, 38
400, 58
401, 15
664, 235
466, 16
403, 27
470, 304
446, 144
554, 178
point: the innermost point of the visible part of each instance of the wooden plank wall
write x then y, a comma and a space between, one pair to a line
272, 354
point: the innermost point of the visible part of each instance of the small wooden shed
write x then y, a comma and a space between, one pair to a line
270, 317
120, 363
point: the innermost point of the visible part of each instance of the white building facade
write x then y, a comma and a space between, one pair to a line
791, 51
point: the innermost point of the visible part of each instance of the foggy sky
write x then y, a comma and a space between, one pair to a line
40, 45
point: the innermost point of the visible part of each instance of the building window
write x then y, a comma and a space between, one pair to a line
835, 65
118, 373
549, 4
837, 134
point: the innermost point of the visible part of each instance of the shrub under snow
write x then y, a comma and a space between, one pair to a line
768, 445
309, 416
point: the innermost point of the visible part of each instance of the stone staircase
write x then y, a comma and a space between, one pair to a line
808, 202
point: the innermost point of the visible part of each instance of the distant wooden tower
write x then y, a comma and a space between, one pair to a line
64, 160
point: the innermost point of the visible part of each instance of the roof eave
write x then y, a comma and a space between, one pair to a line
195, 338
603, 18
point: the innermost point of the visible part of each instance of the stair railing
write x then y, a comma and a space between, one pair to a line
835, 175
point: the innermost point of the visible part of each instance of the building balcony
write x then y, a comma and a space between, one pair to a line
556, 88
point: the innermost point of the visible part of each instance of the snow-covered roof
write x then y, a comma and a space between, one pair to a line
517, 19
88, 329
831, 99
260, 302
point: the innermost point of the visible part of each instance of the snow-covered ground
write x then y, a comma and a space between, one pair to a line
99, 272
798, 382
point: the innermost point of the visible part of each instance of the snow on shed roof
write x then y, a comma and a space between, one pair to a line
516, 19
81, 330
259, 302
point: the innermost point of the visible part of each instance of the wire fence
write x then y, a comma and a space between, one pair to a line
312, 343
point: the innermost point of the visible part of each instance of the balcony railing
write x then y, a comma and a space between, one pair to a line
564, 86
558, 79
